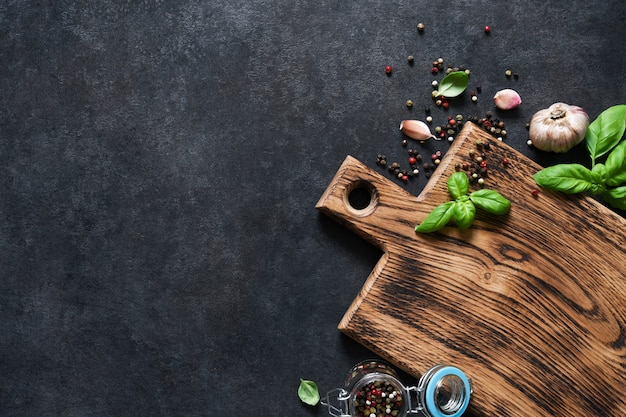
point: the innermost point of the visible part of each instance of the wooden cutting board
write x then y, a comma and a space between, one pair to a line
531, 305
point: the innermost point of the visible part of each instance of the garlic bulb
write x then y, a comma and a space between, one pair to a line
416, 129
558, 128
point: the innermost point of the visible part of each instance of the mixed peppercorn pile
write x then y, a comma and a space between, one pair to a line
378, 399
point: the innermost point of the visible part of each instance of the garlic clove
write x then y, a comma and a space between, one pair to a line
507, 99
558, 128
416, 129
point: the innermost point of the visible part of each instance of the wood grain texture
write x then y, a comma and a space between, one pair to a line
532, 304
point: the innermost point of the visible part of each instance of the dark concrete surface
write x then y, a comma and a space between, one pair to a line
160, 253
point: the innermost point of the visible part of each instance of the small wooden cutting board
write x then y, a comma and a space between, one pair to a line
531, 305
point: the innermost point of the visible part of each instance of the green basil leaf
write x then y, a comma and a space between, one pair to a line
606, 131
616, 197
308, 392
568, 178
458, 184
616, 165
491, 201
464, 213
437, 219
453, 84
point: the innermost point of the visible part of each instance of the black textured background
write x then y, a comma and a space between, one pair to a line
160, 254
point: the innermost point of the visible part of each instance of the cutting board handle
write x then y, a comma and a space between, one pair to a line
370, 205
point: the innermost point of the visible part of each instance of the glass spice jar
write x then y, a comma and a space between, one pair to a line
373, 389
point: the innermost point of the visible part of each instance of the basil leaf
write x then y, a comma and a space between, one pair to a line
616, 165
308, 392
464, 213
458, 184
606, 131
616, 197
453, 84
491, 201
437, 219
568, 178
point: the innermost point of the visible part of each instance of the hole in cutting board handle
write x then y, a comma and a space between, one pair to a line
361, 198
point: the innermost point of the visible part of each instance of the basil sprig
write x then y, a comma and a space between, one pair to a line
604, 137
463, 208
453, 84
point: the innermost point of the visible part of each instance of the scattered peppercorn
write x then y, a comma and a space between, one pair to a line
388, 69
410, 59
487, 29
535, 192
420, 27
409, 103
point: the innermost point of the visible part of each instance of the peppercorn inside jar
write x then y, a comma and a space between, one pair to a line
372, 389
